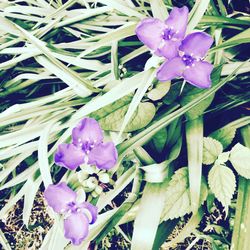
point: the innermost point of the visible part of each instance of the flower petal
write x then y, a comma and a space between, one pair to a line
178, 19
76, 227
104, 156
196, 44
59, 196
170, 69
69, 156
92, 209
169, 49
149, 31
199, 75
88, 132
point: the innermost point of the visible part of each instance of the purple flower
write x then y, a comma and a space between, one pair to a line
164, 38
189, 64
87, 147
77, 216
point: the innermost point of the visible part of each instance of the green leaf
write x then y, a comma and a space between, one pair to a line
29, 197
190, 93
153, 199
145, 83
240, 38
194, 139
225, 135
160, 90
211, 150
159, 140
240, 158
140, 119
178, 201
155, 173
43, 157
189, 227
164, 230
222, 182
196, 14
221, 20
222, 158
159, 9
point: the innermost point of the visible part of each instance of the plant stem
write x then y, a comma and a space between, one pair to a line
240, 238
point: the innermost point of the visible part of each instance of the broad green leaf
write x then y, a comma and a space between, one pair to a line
155, 173
159, 140
113, 107
153, 200
222, 182
164, 230
224, 135
211, 150
140, 119
240, 159
178, 201
160, 90
194, 139
190, 93
222, 158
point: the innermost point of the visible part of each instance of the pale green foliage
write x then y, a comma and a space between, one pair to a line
159, 140
224, 135
240, 159
222, 183
194, 138
153, 199
211, 150
101, 82
160, 90
178, 201
140, 119
222, 158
